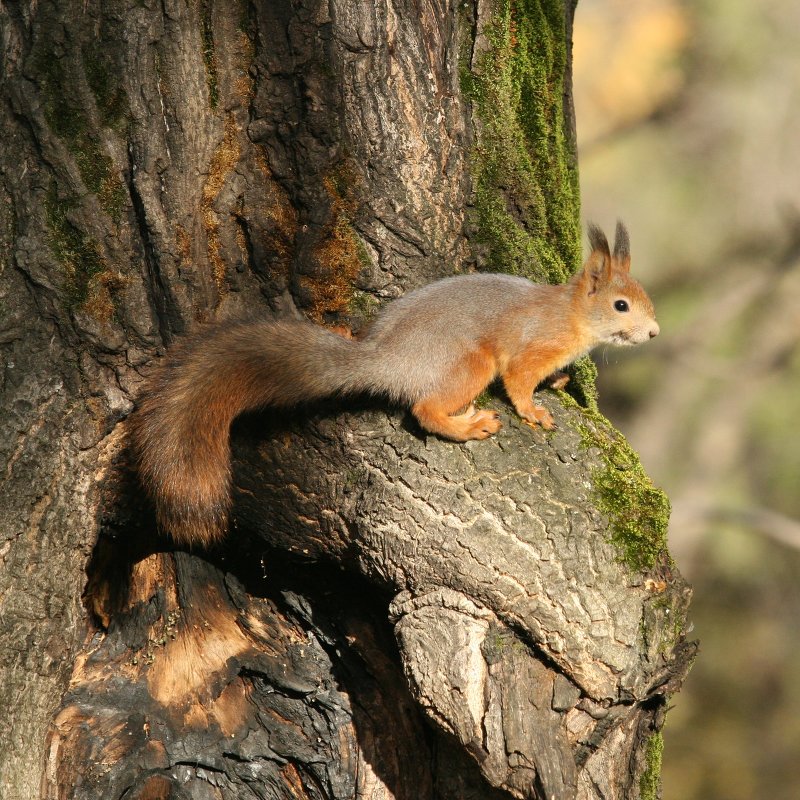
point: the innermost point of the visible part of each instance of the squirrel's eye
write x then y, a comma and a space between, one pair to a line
622, 305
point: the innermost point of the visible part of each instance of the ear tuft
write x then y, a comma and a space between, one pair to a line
622, 242
598, 241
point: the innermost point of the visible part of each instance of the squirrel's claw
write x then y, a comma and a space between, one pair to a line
539, 416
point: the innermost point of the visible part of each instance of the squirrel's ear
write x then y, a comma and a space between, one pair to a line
596, 272
597, 269
622, 248
597, 239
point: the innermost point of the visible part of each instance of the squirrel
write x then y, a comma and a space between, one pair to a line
434, 349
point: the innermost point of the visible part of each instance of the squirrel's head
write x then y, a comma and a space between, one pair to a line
615, 305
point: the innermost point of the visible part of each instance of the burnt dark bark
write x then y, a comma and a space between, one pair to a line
392, 615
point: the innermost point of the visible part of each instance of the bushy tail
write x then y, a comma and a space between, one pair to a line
180, 430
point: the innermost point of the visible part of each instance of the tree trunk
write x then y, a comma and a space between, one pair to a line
392, 615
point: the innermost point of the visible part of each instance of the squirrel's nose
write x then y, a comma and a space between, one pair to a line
654, 331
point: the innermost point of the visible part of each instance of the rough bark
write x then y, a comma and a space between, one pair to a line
393, 616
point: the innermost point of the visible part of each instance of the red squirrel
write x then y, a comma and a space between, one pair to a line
434, 350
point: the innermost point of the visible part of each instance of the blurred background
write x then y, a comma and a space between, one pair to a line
689, 130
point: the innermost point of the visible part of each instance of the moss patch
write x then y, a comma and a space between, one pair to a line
650, 782
527, 200
499, 643
109, 95
340, 255
89, 284
664, 622
8, 234
363, 306
638, 511
69, 123
584, 382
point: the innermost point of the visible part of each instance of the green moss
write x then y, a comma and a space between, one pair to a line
69, 123
499, 643
363, 306
113, 197
109, 94
8, 236
650, 781
484, 399
340, 255
638, 511
583, 383
526, 184
78, 253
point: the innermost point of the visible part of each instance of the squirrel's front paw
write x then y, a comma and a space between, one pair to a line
539, 416
483, 424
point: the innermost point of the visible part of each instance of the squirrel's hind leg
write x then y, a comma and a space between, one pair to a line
437, 412
460, 428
